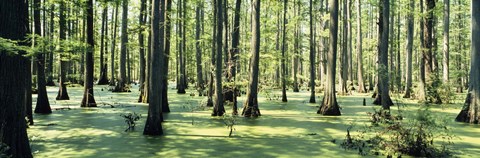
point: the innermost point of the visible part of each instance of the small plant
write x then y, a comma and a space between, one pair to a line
446, 92
230, 121
193, 108
131, 119
391, 135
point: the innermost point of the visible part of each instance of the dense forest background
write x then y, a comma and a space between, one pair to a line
225, 50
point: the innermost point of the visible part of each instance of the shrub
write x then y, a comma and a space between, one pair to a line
391, 135
131, 119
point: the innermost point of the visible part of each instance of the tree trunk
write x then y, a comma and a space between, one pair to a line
349, 44
312, 55
329, 105
383, 96
141, 41
218, 109
13, 132
52, 49
430, 75
153, 125
103, 79
296, 54
361, 82
200, 85
391, 39
344, 55
88, 98
421, 86
123, 80
112, 52
250, 107
42, 106
181, 85
62, 91
471, 111
284, 31
168, 26
234, 51
211, 88
446, 39
410, 29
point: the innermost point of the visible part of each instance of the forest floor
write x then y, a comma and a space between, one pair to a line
290, 129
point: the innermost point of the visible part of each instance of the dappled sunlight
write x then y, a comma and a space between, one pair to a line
290, 129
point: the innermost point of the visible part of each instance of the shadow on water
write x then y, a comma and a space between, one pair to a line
290, 129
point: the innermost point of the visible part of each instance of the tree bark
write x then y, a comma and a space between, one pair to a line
430, 75
62, 91
284, 32
166, 59
410, 29
43, 105
153, 125
198, 54
344, 55
181, 86
361, 82
13, 95
329, 105
471, 111
103, 79
112, 52
122, 79
234, 51
141, 41
250, 108
218, 108
312, 55
446, 39
52, 49
88, 98
383, 96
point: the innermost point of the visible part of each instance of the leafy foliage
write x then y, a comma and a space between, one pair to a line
131, 120
391, 135
230, 121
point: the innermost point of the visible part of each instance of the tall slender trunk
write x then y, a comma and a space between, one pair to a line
88, 98
410, 29
181, 86
234, 51
51, 49
250, 107
383, 96
168, 26
198, 55
153, 125
42, 106
446, 39
62, 91
218, 108
344, 54
122, 80
112, 52
430, 75
361, 82
102, 80
141, 41
329, 105
284, 32
312, 55
211, 88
